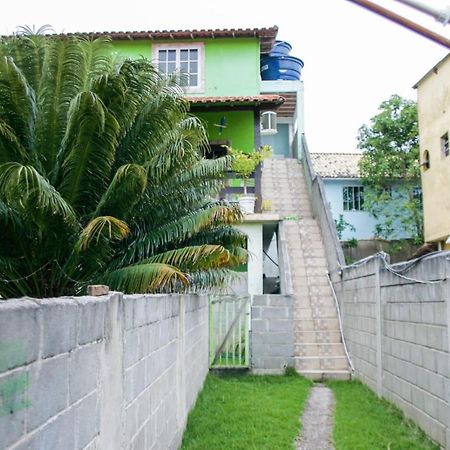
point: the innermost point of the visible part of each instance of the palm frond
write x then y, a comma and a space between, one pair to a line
88, 148
107, 227
25, 187
125, 190
11, 149
17, 101
194, 258
207, 280
149, 241
144, 278
62, 79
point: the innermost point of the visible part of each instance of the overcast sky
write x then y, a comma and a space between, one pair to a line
353, 59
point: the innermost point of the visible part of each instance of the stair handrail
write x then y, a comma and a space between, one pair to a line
341, 329
327, 225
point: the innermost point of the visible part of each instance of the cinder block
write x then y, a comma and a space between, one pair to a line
275, 313
58, 434
87, 421
13, 405
91, 319
138, 443
48, 391
259, 325
150, 431
19, 333
83, 371
131, 353
275, 325
281, 350
59, 325
97, 290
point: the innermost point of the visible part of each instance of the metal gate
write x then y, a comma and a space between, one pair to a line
229, 327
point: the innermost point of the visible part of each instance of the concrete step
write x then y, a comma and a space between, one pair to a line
321, 324
321, 363
317, 312
319, 337
319, 349
320, 375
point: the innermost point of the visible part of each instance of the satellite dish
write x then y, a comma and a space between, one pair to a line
222, 124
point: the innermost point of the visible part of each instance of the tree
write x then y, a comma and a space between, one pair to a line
390, 169
101, 176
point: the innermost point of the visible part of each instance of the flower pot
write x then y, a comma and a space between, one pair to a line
247, 203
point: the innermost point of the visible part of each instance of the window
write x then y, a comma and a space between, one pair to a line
183, 60
444, 144
417, 193
426, 160
353, 198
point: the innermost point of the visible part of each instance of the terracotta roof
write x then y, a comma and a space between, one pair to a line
266, 36
336, 165
264, 99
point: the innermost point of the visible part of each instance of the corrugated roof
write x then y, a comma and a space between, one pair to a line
336, 165
264, 99
266, 36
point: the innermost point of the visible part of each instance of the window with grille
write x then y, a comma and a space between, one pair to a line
185, 61
353, 198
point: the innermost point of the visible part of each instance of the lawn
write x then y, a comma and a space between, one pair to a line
363, 421
247, 412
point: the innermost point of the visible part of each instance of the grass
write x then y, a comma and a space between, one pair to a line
247, 412
363, 421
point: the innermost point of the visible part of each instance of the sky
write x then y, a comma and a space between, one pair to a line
353, 58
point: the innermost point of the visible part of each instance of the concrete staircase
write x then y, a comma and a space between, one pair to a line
319, 352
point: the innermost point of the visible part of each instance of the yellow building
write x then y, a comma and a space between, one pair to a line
433, 101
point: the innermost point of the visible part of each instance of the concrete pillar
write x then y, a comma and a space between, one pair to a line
379, 327
254, 232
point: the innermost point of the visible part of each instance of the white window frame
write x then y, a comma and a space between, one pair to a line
199, 46
356, 199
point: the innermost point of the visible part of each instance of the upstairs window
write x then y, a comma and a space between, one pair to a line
425, 160
353, 197
444, 145
185, 61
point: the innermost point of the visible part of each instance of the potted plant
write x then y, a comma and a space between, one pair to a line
244, 164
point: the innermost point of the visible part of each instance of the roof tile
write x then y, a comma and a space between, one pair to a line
336, 165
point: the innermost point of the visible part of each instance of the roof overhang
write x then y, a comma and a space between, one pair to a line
262, 101
266, 36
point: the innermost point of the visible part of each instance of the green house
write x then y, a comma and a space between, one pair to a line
219, 71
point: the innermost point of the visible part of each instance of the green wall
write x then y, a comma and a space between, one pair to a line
231, 65
134, 49
239, 128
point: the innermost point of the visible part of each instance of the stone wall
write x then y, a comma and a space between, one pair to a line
110, 372
272, 334
397, 330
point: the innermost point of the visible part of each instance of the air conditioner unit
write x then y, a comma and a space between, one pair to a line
268, 123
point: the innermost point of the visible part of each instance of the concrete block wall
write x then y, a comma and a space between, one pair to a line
111, 372
272, 334
397, 332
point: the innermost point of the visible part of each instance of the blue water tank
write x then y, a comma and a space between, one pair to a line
281, 68
281, 48
279, 65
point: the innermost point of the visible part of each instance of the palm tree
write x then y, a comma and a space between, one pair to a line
102, 178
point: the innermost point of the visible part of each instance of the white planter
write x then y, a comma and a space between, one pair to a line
247, 204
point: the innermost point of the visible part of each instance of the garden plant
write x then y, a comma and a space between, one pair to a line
102, 176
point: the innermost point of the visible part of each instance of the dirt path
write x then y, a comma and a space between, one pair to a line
317, 420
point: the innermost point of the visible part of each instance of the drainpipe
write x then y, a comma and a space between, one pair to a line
441, 15
400, 20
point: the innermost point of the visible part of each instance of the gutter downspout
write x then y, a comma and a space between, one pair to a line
441, 15
400, 20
